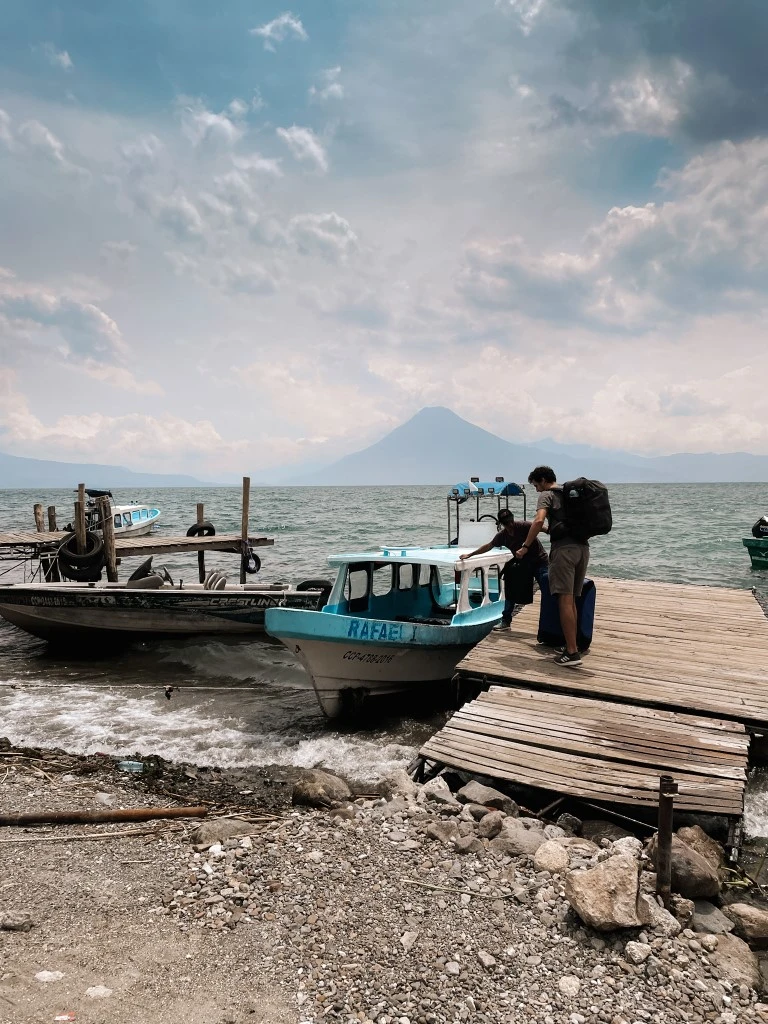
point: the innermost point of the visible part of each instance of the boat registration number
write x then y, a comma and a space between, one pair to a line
362, 629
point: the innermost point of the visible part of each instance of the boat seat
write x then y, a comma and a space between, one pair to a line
151, 582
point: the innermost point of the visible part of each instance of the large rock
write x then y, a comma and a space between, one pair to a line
596, 830
709, 920
477, 793
490, 825
520, 839
712, 852
316, 788
692, 874
216, 830
551, 856
734, 961
444, 832
605, 897
656, 917
438, 791
751, 923
399, 784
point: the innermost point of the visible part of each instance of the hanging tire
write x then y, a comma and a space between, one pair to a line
250, 562
93, 554
82, 573
204, 529
324, 586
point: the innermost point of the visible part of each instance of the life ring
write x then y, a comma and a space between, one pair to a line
324, 586
204, 529
93, 554
250, 561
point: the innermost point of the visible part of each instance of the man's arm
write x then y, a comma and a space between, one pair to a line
535, 529
478, 551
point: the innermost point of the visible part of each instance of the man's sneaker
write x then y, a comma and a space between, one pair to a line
500, 627
566, 660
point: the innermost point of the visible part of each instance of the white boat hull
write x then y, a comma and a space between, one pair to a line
344, 675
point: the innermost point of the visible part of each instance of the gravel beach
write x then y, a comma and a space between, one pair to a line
402, 905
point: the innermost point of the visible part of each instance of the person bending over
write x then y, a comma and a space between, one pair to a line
534, 558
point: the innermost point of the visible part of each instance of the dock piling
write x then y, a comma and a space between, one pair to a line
667, 791
200, 554
244, 525
108, 537
39, 517
52, 528
80, 519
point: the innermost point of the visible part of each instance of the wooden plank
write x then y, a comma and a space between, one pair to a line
151, 544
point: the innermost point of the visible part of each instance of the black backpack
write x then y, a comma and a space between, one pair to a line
585, 513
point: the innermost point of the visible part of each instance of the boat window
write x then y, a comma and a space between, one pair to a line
135, 517
494, 582
424, 575
405, 577
118, 519
143, 513
383, 573
357, 584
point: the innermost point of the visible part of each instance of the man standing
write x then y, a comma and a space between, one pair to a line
568, 559
533, 559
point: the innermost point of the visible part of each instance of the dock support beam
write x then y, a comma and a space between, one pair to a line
80, 519
667, 790
200, 554
244, 526
52, 519
108, 537
39, 524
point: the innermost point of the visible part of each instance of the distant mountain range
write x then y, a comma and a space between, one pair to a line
16, 472
433, 447
437, 446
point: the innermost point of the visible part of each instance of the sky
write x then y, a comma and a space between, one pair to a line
245, 238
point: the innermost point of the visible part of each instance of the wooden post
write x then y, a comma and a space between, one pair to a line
108, 537
80, 519
39, 518
667, 790
201, 554
52, 518
244, 525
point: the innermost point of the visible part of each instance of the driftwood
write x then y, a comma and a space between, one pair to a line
89, 817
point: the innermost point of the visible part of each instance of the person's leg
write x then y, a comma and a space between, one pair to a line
567, 606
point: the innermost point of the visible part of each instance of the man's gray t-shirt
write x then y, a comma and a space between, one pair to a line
552, 501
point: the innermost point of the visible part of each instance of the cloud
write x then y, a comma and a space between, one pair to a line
244, 278
33, 138
57, 58
526, 11
122, 378
705, 248
178, 215
285, 26
204, 127
118, 252
328, 86
325, 233
305, 147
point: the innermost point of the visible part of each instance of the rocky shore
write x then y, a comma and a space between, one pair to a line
305, 898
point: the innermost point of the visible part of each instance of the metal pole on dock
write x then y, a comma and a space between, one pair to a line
201, 554
80, 519
108, 537
244, 525
52, 519
667, 791
39, 518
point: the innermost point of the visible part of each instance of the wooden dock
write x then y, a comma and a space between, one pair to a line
675, 678
684, 648
152, 544
596, 750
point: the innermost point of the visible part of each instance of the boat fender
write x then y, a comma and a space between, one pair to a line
204, 529
324, 586
250, 561
93, 554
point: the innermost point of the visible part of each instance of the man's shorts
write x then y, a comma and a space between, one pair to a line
567, 568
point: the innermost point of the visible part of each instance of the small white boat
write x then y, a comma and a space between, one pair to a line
134, 519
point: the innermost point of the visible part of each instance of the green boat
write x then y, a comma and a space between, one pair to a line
758, 551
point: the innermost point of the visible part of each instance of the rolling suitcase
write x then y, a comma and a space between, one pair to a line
550, 632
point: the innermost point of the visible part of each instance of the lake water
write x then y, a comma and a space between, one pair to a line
248, 702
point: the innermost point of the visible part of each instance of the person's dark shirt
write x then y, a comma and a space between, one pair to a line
536, 554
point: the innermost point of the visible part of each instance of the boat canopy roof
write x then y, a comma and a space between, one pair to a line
478, 488
445, 556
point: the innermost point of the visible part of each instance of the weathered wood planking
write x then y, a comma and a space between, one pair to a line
152, 544
596, 749
698, 649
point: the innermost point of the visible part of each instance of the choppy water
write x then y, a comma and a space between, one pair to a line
248, 702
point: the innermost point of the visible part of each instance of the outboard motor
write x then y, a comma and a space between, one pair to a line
760, 529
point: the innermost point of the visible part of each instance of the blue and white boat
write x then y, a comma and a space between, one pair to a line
398, 617
134, 519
